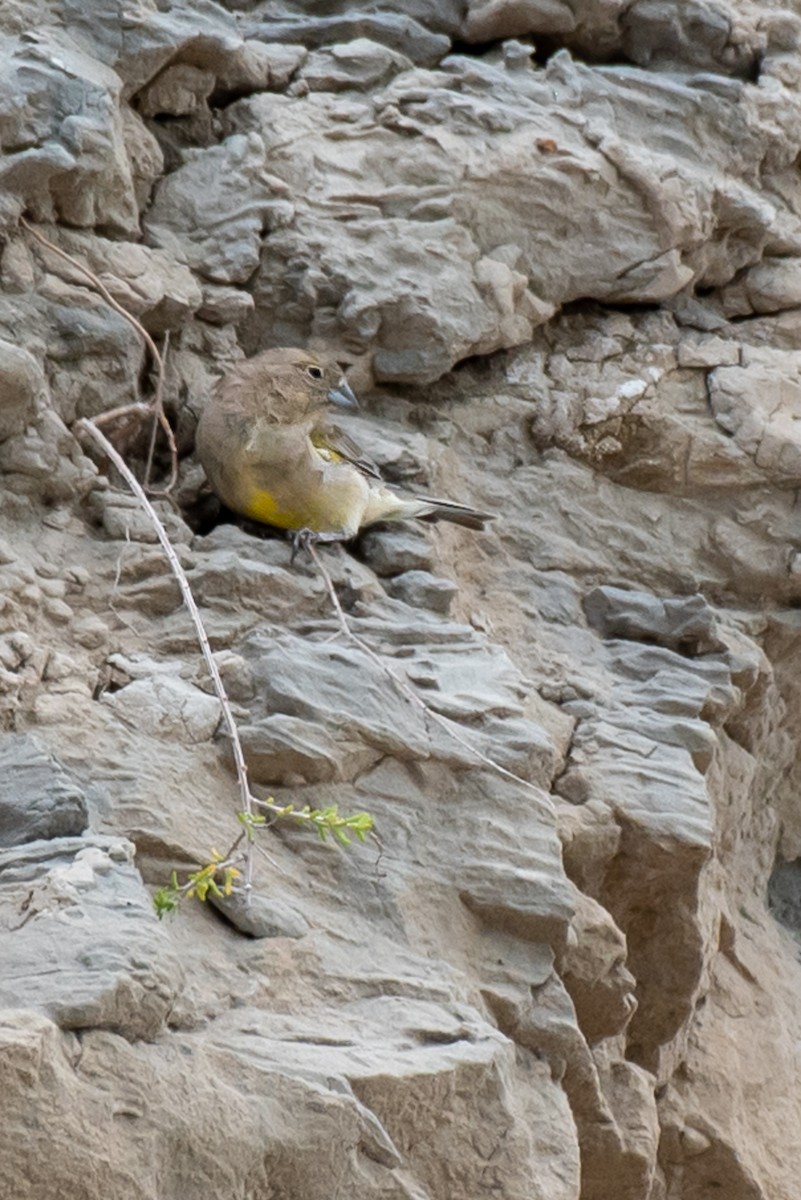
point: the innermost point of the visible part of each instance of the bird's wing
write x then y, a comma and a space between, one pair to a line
333, 445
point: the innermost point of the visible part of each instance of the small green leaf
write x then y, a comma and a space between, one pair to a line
166, 901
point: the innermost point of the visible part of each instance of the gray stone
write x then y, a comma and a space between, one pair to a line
770, 286
23, 389
685, 623
784, 895
148, 283
709, 352
437, 1044
166, 707
38, 798
756, 404
262, 917
491, 20
16, 265
274, 64
253, 576
124, 519
225, 187
130, 1089
697, 314
357, 65
144, 152
138, 46
392, 552
79, 939
394, 29
64, 131
178, 91
284, 749
317, 682
658, 31
326, 277
422, 589
224, 305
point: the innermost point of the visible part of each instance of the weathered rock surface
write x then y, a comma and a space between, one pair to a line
37, 797
568, 969
89, 952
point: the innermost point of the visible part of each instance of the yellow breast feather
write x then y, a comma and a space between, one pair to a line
262, 506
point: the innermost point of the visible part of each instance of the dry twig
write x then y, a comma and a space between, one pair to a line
156, 407
205, 646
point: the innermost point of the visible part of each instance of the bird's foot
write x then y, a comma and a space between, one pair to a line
304, 539
301, 539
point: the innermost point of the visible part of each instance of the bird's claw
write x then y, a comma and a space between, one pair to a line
301, 539
304, 539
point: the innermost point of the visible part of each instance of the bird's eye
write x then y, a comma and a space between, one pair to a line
314, 372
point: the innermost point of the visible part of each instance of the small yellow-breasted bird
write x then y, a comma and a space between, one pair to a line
270, 453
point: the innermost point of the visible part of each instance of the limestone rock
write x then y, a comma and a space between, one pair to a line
23, 387
359, 65
178, 91
488, 20
138, 46
397, 30
282, 748
421, 588
80, 937
712, 38
261, 65
38, 799
600, 985
764, 423
317, 275
206, 192
224, 305
62, 111
329, 712
148, 283
112, 1079
144, 153
687, 625
393, 552
254, 575
309, 681
168, 708
709, 352
262, 917
122, 517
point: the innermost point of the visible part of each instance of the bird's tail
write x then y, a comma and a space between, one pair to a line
386, 505
448, 510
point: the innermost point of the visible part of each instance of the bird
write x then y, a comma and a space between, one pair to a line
271, 453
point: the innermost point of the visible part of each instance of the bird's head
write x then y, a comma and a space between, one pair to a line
287, 385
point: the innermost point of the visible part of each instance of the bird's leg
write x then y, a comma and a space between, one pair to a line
302, 539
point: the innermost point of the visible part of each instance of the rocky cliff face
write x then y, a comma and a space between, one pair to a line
567, 274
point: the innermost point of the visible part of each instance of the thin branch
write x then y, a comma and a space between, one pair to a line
157, 413
157, 405
401, 683
140, 409
189, 600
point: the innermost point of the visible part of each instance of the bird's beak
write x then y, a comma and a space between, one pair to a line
342, 396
